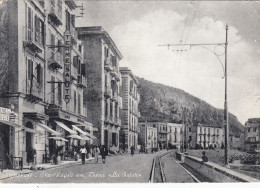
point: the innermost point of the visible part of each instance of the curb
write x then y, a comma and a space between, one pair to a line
52, 167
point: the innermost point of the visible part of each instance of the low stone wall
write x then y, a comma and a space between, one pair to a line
214, 172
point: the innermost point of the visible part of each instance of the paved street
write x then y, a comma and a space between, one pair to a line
117, 169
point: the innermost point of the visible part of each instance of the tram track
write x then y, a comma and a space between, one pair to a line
157, 174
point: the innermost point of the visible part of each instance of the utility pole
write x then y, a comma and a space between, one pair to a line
225, 122
225, 104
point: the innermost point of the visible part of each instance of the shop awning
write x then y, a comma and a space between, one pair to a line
87, 125
53, 132
10, 123
26, 129
74, 137
84, 133
58, 138
65, 127
80, 130
85, 138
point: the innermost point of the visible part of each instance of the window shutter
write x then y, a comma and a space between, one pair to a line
37, 29
73, 20
83, 69
26, 22
75, 61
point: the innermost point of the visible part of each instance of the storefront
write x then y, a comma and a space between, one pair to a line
67, 124
8, 126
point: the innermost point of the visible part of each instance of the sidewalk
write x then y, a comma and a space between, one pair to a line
8, 173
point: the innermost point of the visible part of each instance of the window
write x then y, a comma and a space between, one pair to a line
52, 90
75, 101
60, 46
189, 129
175, 130
106, 109
39, 30
80, 48
72, 20
254, 129
75, 61
116, 110
111, 109
30, 70
39, 74
30, 24
52, 44
248, 130
79, 104
60, 94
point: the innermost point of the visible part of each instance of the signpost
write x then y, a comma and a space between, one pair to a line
67, 67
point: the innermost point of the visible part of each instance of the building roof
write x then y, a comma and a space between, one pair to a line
253, 120
127, 70
99, 30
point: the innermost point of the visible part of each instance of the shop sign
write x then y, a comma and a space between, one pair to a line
67, 67
4, 113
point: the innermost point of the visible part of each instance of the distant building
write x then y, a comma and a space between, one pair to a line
102, 57
161, 133
130, 112
252, 133
210, 136
175, 135
148, 137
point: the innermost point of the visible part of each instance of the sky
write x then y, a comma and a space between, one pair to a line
138, 28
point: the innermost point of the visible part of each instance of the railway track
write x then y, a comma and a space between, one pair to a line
157, 174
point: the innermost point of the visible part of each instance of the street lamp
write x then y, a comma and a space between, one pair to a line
225, 122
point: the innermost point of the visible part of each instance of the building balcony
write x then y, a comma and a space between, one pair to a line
108, 92
54, 18
32, 46
82, 82
74, 34
115, 73
108, 64
55, 62
33, 91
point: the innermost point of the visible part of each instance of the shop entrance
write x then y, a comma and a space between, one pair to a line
29, 143
4, 143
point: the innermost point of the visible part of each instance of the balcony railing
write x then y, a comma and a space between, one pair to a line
108, 92
33, 90
115, 73
74, 34
55, 61
108, 64
54, 18
82, 82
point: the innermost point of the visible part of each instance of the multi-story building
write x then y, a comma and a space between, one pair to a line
130, 112
148, 137
102, 93
175, 135
252, 133
39, 43
210, 136
161, 133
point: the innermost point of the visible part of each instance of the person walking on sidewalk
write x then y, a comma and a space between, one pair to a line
132, 150
96, 153
103, 153
83, 154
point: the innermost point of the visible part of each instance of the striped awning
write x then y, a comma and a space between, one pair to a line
65, 127
75, 137
53, 132
10, 123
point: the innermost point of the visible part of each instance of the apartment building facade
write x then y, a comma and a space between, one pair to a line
48, 102
130, 111
252, 133
210, 136
148, 137
175, 135
102, 93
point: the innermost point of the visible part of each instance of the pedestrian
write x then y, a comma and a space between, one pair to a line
83, 154
103, 153
204, 157
96, 153
132, 150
